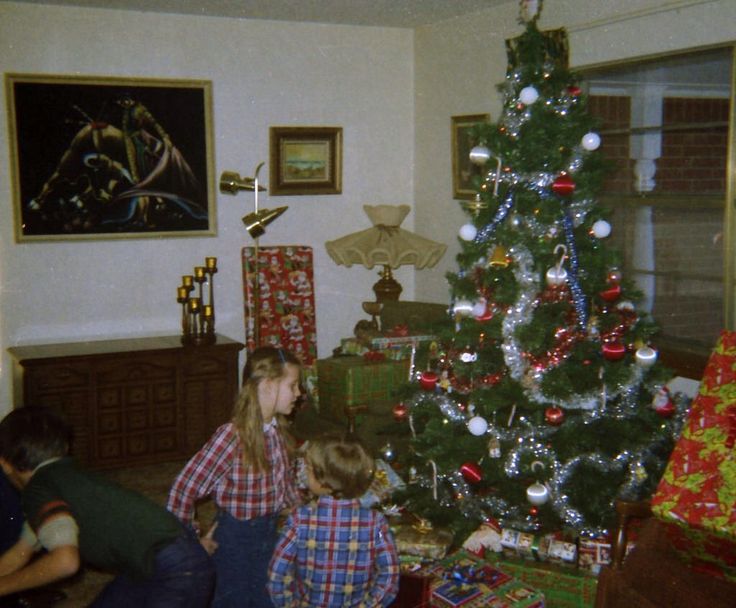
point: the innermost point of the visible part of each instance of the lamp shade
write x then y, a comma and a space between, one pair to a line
385, 242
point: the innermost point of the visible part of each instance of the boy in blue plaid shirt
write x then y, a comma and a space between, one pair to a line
333, 552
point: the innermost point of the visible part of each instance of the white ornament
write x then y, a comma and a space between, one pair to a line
601, 229
646, 356
537, 494
477, 426
468, 232
528, 95
556, 276
479, 155
463, 307
468, 356
479, 308
591, 141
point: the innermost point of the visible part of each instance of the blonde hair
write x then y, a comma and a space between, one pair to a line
342, 464
264, 363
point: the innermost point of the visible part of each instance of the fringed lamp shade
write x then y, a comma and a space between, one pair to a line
387, 244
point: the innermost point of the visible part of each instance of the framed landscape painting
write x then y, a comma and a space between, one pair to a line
103, 157
305, 160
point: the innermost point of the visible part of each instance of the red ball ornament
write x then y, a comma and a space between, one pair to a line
400, 412
428, 380
574, 90
611, 294
533, 511
564, 185
471, 472
554, 415
613, 351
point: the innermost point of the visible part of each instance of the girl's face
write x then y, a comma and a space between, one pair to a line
278, 395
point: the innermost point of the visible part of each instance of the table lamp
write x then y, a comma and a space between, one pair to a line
387, 244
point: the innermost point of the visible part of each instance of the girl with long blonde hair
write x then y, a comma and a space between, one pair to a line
246, 467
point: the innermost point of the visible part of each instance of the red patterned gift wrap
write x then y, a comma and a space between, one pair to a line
697, 493
285, 299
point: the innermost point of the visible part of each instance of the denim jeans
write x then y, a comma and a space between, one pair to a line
241, 561
183, 577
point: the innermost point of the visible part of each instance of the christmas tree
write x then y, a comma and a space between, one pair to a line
542, 399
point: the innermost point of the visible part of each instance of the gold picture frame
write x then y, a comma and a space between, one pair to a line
109, 158
463, 170
305, 160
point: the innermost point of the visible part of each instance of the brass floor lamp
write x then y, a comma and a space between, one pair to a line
255, 223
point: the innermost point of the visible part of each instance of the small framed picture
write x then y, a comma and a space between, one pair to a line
305, 160
463, 170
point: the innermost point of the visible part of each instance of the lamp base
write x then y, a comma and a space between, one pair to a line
387, 288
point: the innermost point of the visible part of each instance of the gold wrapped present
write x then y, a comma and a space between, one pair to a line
421, 539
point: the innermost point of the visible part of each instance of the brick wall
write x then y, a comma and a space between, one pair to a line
614, 113
693, 161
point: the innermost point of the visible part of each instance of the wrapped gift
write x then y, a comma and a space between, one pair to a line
462, 579
696, 494
593, 553
562, 552
385, 482
283, 304
420, 539
524, 545
348, 381
391, 347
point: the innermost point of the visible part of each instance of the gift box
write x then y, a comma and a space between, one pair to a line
593, 554
420, 539
462, 579
351, 380
696, 494
385, 482
391, 347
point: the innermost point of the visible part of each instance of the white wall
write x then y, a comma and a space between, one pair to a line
459, 62
393, 91
264, 73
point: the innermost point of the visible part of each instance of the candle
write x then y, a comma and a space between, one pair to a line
199, 272
210, 263
187, 280
208, 311
194, 305
182, 293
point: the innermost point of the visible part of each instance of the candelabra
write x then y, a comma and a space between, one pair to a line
198, 311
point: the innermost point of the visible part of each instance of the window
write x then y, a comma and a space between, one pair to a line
665, 130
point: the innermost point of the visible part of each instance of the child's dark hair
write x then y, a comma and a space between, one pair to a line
31, 435
342, 464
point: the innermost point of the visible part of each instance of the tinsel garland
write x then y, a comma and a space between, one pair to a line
532, 444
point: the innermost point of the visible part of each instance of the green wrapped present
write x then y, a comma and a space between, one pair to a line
352, 381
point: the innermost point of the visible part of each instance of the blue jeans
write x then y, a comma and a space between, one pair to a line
241, 561
183, 577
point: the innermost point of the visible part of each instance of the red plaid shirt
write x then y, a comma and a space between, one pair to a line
217, 470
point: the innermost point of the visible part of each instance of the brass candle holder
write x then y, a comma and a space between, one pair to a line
198, 311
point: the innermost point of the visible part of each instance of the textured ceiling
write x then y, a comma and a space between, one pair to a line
384, 13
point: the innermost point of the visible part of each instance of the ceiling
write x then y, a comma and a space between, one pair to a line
383, 13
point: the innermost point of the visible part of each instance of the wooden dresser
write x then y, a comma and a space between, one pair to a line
131, 401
